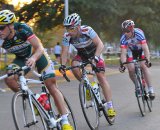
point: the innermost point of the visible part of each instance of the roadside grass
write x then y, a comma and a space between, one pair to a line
110, 61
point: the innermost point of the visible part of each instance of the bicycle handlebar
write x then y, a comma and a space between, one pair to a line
81, 65
15, 72
134, 61
18, 70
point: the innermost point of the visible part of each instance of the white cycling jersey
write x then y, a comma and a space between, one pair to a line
83, 44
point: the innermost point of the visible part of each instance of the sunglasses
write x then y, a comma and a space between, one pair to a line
2, 28
70, 29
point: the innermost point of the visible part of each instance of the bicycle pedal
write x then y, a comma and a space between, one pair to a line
30, 124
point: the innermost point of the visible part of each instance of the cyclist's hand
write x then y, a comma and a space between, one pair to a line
96, 59
62, 69
30, 62
148, 63
122, 68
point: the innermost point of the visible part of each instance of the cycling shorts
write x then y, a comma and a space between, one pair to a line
100, 65
137, 54
43, 65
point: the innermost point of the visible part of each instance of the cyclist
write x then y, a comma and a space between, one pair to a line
19, 39
133, 46
88, 45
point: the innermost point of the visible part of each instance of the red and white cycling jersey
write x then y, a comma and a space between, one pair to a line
134, 43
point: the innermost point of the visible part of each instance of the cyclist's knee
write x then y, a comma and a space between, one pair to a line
50, 81
11, 79
144, 67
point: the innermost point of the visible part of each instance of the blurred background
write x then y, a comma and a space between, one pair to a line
104, 16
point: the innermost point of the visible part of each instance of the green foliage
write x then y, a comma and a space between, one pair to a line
46, 13
105, 16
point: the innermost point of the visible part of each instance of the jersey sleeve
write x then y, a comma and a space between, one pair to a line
1, 42
26, 31
66, 39
88, 31
140, 36
123, 42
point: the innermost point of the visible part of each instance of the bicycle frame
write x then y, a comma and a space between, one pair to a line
86, 79
140, 86
31, 96
96, 101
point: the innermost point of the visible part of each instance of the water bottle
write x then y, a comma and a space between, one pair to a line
96, 89
38, 97
45, 103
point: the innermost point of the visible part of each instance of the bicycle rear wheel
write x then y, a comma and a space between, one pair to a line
110, 120
56, 114
140, 95
22, 114
89, 108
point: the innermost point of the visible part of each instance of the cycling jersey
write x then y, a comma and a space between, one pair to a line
21, 47
134, 44
83, 44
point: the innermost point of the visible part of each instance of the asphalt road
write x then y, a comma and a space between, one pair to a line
128, 115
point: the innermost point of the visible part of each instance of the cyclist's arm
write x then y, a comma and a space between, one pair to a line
146, 51
99, 45
64, 54
123, 56
38, 49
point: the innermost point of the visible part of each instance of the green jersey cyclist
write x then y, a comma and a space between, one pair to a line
19, 39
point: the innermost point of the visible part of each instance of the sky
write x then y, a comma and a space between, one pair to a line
15, 2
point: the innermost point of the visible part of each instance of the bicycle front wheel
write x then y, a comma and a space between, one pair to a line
23, 116
140, 96
148, 101
110, 120
89, 107
57, 115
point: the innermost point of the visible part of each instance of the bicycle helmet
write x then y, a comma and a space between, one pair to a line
128, 25
7, 17
72, 20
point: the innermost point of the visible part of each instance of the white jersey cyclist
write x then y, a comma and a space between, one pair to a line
83, 44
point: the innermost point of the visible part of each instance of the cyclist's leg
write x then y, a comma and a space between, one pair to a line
130, 67
105, 87
12, 80
147, 77
76, 71
45, 67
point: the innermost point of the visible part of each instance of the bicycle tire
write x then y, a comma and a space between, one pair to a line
148, 101
91, 117
140, 96
21, 112
56, 114
104, 109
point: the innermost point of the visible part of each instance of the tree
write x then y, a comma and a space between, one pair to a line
105, 16
46, 14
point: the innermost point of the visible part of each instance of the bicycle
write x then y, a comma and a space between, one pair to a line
140, 88
28, 113
95, 105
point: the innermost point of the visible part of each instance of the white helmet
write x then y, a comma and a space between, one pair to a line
128, 25
72, 20
7, 17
